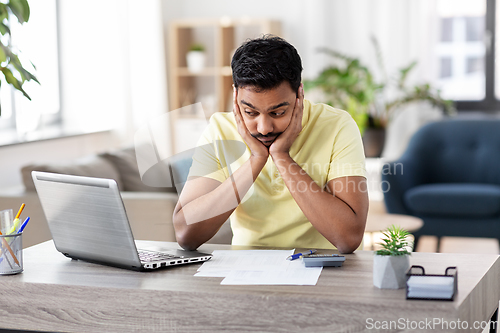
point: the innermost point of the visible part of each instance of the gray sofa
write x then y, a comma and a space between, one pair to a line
149, 209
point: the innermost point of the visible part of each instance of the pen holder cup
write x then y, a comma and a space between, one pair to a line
11, 254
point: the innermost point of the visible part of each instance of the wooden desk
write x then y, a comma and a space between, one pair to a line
57, 294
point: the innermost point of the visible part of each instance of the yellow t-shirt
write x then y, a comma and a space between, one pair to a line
329, 146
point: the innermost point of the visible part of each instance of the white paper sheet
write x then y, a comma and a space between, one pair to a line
247, 260
213, 273
291, 276
258, 267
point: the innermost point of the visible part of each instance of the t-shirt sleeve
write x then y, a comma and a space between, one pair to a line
205, 160
348, 157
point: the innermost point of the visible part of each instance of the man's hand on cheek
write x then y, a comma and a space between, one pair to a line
257, 148
285, 140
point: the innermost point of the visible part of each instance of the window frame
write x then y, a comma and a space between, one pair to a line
490, 103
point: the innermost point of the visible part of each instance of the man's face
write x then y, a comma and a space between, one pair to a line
267, 113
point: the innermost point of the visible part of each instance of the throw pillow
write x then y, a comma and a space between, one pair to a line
125, 162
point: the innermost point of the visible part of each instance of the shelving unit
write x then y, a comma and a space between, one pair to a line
213, 85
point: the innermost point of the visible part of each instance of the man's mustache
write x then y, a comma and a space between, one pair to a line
261, 136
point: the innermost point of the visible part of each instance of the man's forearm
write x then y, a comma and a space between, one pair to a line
330, 215
215, 206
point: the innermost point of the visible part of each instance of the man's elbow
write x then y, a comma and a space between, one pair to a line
186, 242
346, 249
188, 246
181, 233
349, 245
352, 239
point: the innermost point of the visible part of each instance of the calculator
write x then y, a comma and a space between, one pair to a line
320, 260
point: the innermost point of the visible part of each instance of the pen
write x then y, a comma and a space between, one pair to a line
298, 255
23, 225
16, 220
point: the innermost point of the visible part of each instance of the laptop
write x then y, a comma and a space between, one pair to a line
88, 221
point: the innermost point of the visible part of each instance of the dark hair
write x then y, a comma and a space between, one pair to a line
265, 63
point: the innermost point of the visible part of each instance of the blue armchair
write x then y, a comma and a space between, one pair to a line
449, 176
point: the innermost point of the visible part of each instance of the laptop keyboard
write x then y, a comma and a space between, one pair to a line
148, 256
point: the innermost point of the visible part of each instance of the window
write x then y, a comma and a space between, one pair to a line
446, 29
465, 53
445, 66
475, 65
474, 28
37, 41
461, 49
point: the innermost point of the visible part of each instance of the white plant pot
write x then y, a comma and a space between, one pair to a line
195, 61
389, 271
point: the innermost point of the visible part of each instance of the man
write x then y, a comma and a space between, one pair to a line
290, 173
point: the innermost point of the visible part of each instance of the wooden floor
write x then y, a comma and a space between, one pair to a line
431, 243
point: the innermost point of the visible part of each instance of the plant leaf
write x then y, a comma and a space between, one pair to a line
378, 53
4, 29
394, 242
3, 56
11, 79
16, 63
4, 13
18, 9
403, 72
26, 10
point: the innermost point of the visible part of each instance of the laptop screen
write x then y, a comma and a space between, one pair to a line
86, 218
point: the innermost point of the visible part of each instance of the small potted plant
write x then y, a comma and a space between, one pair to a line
392, 261
196, 58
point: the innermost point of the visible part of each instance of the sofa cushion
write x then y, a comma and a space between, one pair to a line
125, 162
454, 200
89, 166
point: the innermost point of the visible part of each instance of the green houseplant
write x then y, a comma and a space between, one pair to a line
392, 261
13, 71
197, 47
350, 85
196, 58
